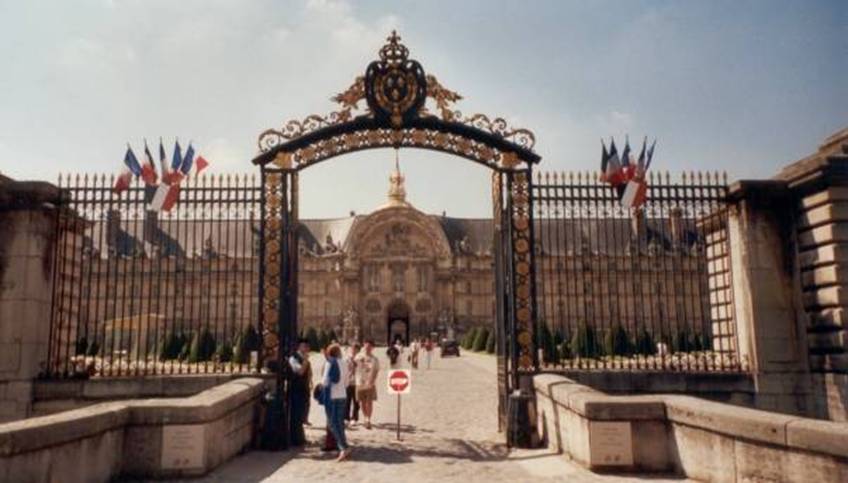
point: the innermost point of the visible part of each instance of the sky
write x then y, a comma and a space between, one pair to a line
732, 85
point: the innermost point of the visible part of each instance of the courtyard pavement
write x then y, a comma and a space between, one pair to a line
448, 433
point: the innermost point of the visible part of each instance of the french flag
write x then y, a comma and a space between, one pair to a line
191, 165
148, 171
163, 160
131, 169
166, 197
174, 176
634, 193
612, 169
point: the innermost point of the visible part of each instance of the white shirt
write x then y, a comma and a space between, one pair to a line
366, 369
338, 390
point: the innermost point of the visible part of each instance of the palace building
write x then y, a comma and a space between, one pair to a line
394, 272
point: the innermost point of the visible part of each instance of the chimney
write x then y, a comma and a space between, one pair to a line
676, 221
637, 224
113, 227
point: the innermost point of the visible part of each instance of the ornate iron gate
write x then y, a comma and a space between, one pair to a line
395, 90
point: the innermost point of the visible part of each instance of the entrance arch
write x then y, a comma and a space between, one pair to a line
397, 322
395, 90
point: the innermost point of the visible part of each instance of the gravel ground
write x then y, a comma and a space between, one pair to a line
448, 433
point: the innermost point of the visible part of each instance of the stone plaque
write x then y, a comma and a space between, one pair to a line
183, 446
610, 443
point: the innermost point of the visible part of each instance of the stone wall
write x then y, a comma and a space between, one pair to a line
819, 184
52, 396
27, 246
130, 439
699, 439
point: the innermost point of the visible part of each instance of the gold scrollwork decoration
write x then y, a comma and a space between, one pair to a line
396, 87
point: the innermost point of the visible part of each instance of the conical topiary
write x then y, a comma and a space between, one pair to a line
202, 346
490, 342
480, 340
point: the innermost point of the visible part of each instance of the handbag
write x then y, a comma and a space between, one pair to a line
318, 393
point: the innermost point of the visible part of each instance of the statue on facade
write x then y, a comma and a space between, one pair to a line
350, 329
446, 323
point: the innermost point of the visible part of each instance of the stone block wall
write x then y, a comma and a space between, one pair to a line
27, 246
692, 437
819, 184
125, 439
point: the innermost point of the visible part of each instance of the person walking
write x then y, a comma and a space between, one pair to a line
352, 405
334, 396
300, 391
367, 368
414, 349
428, 350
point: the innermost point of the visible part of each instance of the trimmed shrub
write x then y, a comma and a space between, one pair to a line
546, 342
252, 339
585, 342
312, 337
93, 348
617, 342
468, 341
185, 346
564, 349
645, 343
202, 346
81, 346
490, 342
683, 340
245, 343
224, 352
170, 347
480, 340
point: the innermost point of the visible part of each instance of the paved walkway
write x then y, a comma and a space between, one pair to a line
448, 433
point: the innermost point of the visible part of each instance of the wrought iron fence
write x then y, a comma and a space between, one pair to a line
634, 288
138, 291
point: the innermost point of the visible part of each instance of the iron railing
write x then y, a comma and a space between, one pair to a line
140, 292
634, 289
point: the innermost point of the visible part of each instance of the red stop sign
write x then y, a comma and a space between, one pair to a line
398, 381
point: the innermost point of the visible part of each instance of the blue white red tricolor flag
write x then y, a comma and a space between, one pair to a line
627, 176
148, 170
164, 195
131, 169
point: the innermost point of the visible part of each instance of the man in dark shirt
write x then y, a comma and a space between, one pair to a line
300, 390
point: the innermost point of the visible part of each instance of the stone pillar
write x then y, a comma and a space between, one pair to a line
28, 217
819, 184
766, 303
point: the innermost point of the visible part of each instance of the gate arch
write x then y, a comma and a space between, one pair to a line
395, 90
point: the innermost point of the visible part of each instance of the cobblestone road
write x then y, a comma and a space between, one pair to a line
448, 433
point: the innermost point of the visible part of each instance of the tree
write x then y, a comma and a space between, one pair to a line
546, 342
480, 340
225, 352
170, 347
81, 346
490, 342
93, 348
683, 340
617, 341
645, 344
585, 342
202, 346
468, 340
246, 342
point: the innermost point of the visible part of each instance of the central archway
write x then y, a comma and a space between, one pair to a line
397, 322
395, 90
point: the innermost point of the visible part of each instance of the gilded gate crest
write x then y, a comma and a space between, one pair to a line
395, 90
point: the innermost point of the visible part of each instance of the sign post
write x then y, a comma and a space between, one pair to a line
399, 382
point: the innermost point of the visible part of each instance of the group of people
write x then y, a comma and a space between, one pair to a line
348, 384
395, 351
